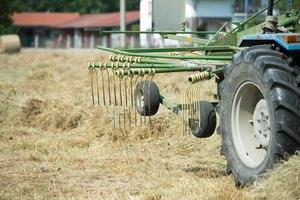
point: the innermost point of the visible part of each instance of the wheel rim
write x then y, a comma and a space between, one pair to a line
250, 124
140, 100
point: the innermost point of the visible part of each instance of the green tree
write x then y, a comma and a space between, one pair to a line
6, 11
82, 6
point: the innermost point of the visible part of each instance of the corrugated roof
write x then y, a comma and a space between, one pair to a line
101, 20
46, 19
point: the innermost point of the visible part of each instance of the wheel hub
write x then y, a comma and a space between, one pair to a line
141, 100
261, 124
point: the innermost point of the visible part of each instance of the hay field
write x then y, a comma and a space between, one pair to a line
55, 145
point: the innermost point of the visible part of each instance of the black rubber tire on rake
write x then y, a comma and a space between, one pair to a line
272, 72
206, 124
147, 98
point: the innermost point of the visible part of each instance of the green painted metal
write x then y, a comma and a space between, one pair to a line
216, 51
180, 57
152, 71
185, 66
245, 22
128, 72
180, 49
170, 105
186, 39
159, 32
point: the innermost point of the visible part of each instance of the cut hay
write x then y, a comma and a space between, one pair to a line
281, 183
50, 115
10, 44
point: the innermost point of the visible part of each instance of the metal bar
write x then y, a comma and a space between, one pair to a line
200, 57
217, 33
173, 107
289, 21
185, 39
131, 59
123, 21
270, 7
134, 65
201, 48
158, 32
122, 73
252, 17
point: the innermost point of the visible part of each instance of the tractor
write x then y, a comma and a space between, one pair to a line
257, 70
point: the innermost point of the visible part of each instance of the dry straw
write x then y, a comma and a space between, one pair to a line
10, 44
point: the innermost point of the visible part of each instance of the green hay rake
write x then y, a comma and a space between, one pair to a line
257, 72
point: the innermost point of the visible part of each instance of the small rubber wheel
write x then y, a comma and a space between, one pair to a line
147, 98
205, 124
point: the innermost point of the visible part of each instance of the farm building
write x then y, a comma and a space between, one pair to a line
40, 29
70, 30
201, 15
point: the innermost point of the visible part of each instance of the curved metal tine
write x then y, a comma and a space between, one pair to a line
135, 111
103, 88
194, 101
126, 100
184, 108
189, 106
200, 84
120, 99
149, 92
147, 87
92, 86
108, 86
115, 98
148, 79
141, 117
97, 87
130, 107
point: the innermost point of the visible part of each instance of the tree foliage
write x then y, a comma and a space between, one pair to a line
8, 7
5, 17
82, 6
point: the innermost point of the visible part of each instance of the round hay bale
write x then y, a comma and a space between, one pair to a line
10, 44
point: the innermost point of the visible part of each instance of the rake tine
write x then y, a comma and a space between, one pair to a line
131, 101
126, 101
135, 111
184, 107
141, 117
121, 99
147, 91
92, 85
189, 107
194, 99
108, 84
97, 88
151, 79
115, 96
103, 87
199, 98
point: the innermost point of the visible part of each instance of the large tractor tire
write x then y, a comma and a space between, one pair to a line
260, 112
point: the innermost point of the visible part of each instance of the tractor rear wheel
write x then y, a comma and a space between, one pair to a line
260, 112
